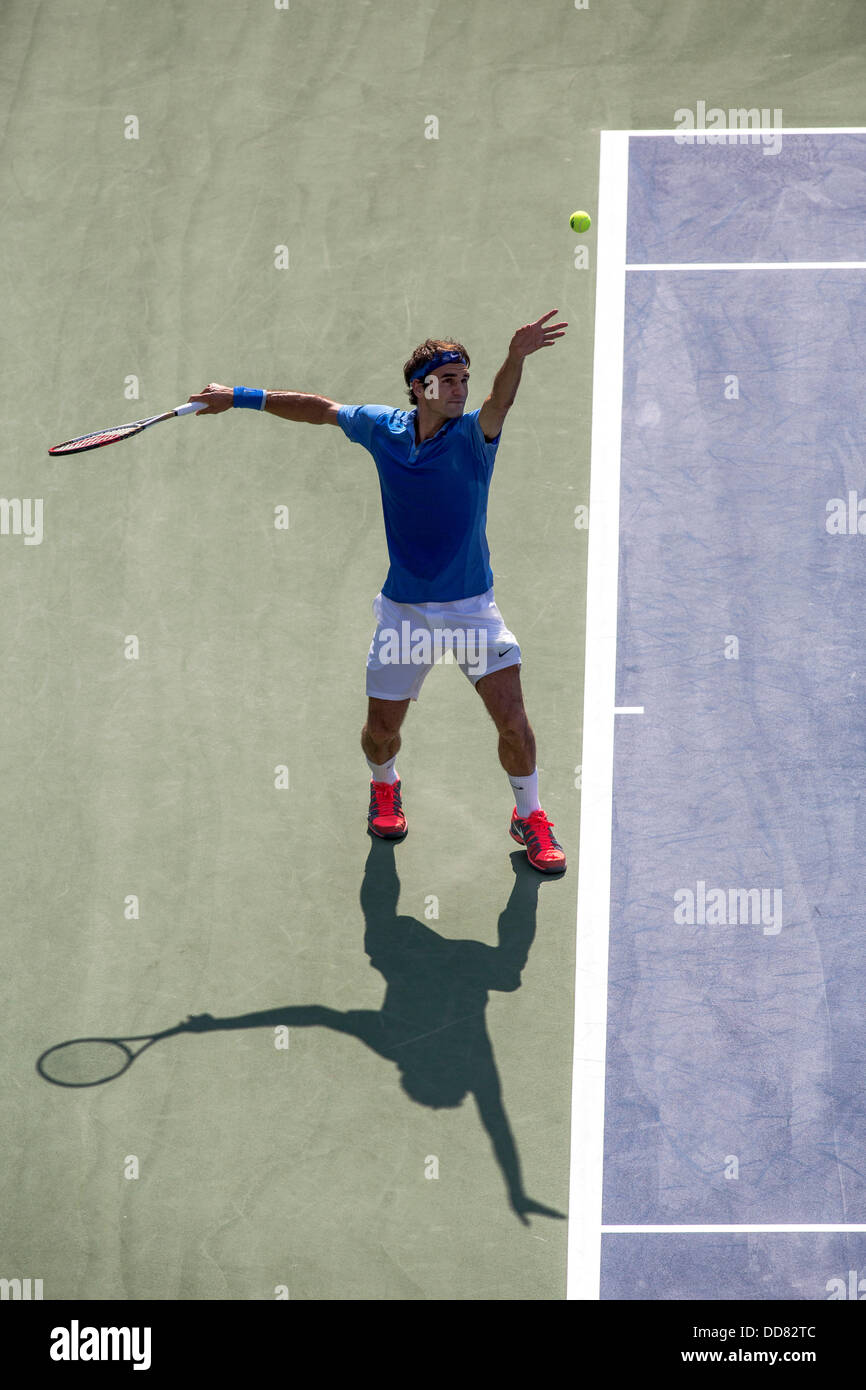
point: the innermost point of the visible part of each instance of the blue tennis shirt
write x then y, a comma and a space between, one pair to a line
434, 499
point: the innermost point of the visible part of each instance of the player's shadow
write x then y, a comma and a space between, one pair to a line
431, 1023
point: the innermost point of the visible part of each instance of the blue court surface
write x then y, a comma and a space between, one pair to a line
720, 1088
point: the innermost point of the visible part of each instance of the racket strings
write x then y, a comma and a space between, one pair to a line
95, 441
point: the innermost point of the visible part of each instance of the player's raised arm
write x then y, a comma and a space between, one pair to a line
289, 405
527, 339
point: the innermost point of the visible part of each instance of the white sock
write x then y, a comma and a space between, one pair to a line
525, 794
384, 772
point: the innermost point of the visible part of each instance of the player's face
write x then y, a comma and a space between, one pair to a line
451, 391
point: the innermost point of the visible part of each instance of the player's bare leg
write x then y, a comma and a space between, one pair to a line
503, 697
502, 694
380, 736
380, 740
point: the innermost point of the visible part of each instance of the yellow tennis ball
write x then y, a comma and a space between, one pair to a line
580, 221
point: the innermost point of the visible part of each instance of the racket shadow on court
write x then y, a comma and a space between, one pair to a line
431, 1024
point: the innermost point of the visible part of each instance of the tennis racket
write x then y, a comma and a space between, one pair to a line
92, 1061
103, 437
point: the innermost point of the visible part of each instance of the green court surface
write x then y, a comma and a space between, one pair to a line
241, 193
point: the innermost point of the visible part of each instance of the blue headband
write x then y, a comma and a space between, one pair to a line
439, 360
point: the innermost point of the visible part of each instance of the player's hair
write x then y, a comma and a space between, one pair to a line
424, 353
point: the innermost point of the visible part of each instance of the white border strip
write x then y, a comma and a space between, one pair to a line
596, 809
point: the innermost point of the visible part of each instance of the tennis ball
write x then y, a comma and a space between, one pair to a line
580, 221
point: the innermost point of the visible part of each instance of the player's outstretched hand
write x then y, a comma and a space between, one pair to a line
215, 398
533, 336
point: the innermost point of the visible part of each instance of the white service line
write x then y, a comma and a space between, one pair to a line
593, 899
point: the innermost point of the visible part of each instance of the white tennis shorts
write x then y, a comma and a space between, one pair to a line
412, 637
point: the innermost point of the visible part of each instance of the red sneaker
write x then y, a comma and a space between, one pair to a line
543, 850
386, 817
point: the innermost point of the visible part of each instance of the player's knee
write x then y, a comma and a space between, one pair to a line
513, 725
379, 729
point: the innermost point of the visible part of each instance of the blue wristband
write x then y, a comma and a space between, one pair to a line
248, 398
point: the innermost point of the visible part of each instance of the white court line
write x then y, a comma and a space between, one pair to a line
596, 809
723, 1230
628, 709
749, 265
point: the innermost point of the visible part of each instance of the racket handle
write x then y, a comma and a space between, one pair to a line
190, 408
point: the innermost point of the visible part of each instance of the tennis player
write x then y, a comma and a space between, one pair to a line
435, 463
